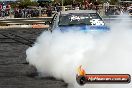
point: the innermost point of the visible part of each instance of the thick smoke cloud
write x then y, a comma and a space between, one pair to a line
59, 54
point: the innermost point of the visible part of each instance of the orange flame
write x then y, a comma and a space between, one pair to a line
81, 71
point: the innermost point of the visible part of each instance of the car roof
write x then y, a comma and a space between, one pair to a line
78, 11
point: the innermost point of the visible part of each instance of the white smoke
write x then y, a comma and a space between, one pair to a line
59, 54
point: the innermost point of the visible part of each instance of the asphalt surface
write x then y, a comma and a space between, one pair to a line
15, 72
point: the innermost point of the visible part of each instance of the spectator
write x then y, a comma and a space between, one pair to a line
49, 11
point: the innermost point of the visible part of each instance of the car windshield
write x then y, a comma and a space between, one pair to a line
79, 19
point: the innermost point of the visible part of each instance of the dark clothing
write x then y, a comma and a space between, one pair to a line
49, 12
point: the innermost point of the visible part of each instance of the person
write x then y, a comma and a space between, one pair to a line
58, 7
96, 5
86, 4
122, 11
49, 11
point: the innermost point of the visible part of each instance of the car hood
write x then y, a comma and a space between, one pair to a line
85, 28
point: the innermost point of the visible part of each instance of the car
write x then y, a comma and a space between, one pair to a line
78, 20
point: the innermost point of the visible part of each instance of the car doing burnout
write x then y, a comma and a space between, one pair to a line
82, 20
